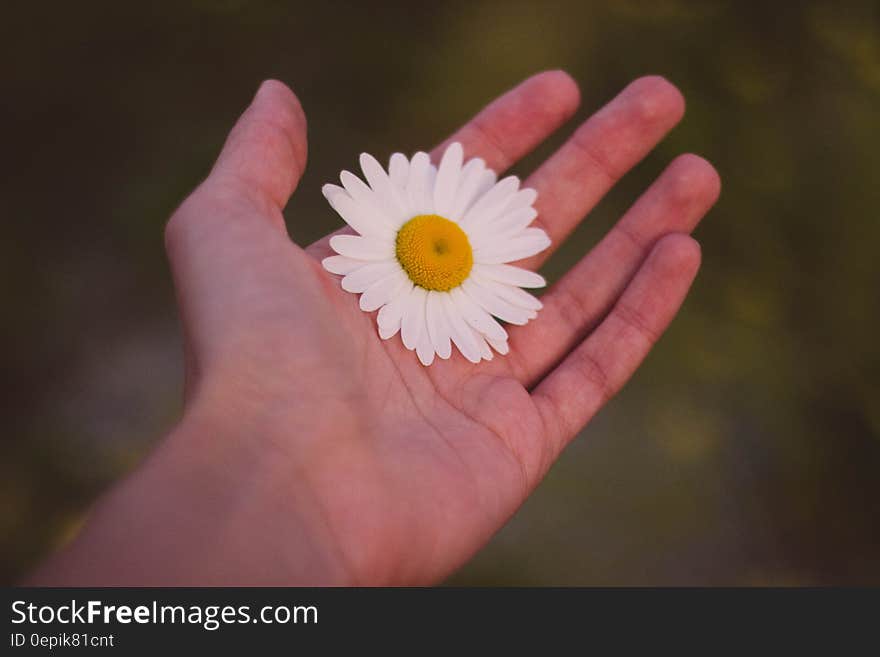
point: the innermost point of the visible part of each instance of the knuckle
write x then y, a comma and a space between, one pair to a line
556, 425
174, 227
572, 308
597, 160
490, 142
634, 319
171, 230
591, 371
635, 239
179, 224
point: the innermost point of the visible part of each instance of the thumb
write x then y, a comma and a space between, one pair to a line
265, 153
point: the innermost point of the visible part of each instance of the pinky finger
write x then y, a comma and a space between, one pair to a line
599, 367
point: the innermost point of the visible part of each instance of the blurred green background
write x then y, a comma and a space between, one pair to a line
747, 449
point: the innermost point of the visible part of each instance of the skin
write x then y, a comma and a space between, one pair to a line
312, 452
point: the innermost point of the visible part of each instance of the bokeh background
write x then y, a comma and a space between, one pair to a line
747, 449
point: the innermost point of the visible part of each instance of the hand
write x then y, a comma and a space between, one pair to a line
310, 450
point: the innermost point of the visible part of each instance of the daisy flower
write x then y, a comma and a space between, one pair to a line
432, 248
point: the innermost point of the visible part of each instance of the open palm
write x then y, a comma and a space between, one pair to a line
400, 472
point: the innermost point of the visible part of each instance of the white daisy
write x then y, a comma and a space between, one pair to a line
431, 251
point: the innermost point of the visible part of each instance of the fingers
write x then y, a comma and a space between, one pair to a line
512, 125
265, 154
573, 180
675, 203
573, 392
509, 127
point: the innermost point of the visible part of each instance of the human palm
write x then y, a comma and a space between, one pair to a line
395, 472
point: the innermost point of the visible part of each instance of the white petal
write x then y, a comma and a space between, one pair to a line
511, 275
362, 278
471, 176
429, 191
398, 170
500, 346
363, 217
341, 265
389, 332
487, 182
383, 291
494, 305
362, 248
460, 333
388, 196
424, 349
376, 177
418, 186
485, 351
509, 293
526, 244
362, 195
435, 320
516, 219
448, 175
523, 198
474, 315
329, 191
503, 228
357, 188
390, 314
491, 203
413, 323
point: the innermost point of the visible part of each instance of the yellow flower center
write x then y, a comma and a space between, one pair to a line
434, 252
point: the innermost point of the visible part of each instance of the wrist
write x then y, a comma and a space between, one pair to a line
212, 505
234, 475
